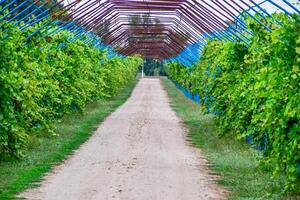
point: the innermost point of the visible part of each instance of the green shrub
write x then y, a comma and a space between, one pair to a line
254, 91
42, 79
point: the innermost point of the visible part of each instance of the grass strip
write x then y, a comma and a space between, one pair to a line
234, 161
73, 130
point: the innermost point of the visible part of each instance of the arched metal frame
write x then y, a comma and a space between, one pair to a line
179, 33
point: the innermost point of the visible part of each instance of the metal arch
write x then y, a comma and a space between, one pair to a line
183, 25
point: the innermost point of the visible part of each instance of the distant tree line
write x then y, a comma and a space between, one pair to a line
153, 67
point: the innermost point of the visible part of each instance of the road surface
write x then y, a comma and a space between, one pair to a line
138, 153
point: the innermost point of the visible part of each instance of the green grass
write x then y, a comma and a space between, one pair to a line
73, 130
234, 161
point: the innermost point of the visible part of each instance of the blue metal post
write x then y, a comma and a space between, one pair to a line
291, 5
13, 10
281, 8
7, 6
23, 11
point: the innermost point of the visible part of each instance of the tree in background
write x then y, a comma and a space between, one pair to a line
153, 67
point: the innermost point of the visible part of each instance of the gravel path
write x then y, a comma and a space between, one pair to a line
138, 153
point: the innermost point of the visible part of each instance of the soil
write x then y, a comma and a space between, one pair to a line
140, 152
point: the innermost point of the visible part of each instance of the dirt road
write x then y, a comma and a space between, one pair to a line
138, 153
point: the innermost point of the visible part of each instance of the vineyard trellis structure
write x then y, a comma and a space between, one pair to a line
167, 30
59, 55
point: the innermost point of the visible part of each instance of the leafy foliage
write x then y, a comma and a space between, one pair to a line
153, 67
44, 78
254, 91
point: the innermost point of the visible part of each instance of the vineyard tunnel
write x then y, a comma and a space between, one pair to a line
166, 30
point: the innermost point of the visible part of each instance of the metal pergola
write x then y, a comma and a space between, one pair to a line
161, 29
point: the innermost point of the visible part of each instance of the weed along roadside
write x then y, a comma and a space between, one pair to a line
237, 164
